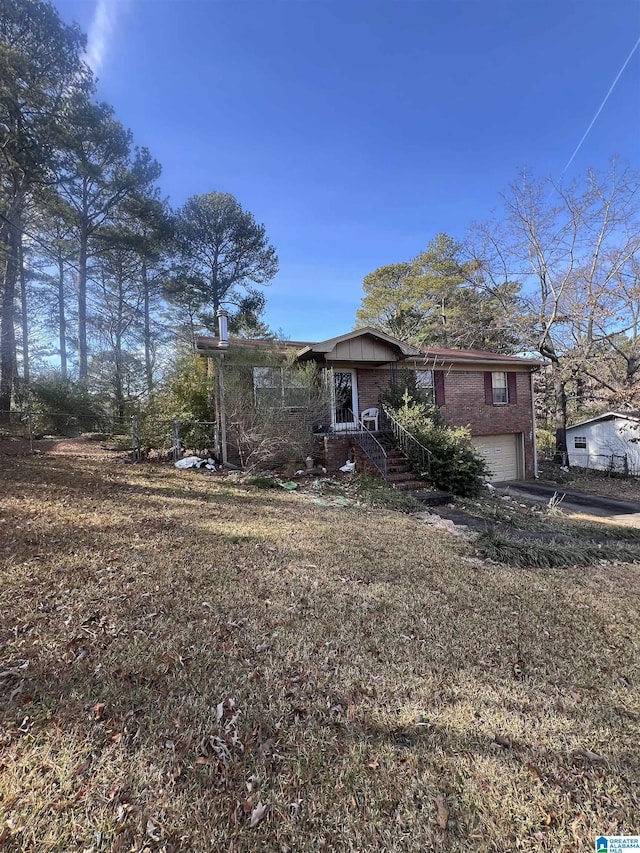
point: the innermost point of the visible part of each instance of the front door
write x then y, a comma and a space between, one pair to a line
344, 403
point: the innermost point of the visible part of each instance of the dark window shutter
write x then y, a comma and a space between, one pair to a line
438, 384
488, 389
513, 388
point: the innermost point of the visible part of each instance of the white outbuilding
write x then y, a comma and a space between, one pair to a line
607, 442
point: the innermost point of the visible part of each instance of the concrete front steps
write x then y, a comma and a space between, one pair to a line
400, 473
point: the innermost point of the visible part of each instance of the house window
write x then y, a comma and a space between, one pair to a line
276, 387
424, 382
580, 442
499, 387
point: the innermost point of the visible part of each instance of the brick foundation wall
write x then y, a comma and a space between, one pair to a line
465, 404
332, 451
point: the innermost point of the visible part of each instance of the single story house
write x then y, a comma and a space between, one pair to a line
607, 442
490, 393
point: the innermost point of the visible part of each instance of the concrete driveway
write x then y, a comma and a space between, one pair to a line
596, 506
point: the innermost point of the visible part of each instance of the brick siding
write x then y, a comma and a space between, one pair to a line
465, 406
371, 382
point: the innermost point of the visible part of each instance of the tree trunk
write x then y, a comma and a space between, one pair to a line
147, 330
11, 240
560, 399
118, 383
61, 314
83, 363
24, 313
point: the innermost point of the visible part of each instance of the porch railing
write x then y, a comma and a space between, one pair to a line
371, 447
417, 453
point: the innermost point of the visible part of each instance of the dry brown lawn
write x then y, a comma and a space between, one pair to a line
194, 664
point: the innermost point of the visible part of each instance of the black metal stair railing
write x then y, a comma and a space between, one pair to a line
417, 453
372, 448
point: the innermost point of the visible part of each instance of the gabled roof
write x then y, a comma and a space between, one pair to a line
429, 355
331, 343
608, 416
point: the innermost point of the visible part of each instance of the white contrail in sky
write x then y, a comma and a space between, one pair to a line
600, 108
100, 33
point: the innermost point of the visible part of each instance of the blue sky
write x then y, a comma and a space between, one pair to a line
356, 131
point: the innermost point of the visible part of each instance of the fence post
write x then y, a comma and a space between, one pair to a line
135, 444
30, 428
177, 452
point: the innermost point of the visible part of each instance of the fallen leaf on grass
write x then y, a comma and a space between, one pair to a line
114, 789
549, 816
535, 771
154, 831
575, 829
98, 710
442, 812
258, 814
82, 768
593, 757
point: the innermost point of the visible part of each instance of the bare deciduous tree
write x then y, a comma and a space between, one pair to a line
575, 249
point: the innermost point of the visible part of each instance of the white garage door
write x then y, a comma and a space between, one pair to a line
501, 453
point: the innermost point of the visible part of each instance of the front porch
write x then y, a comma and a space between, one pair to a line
389, 452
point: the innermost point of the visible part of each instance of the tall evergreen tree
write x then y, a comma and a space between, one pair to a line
40, 66
99, 172
224, 253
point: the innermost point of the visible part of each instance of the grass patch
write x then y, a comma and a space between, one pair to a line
192, 665
375, 492
260, 482
550, 554
528, 516
608, 529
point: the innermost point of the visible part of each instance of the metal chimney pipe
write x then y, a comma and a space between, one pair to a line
223, 319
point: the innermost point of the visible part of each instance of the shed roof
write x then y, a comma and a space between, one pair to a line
607, 416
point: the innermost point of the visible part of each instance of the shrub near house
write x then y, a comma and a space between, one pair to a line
455, 466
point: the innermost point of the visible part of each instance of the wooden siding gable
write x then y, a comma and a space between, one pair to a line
363, 349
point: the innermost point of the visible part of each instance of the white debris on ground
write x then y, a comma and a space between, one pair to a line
195, 462
445, 524
187, 462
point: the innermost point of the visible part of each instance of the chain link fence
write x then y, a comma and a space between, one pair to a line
611, 463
